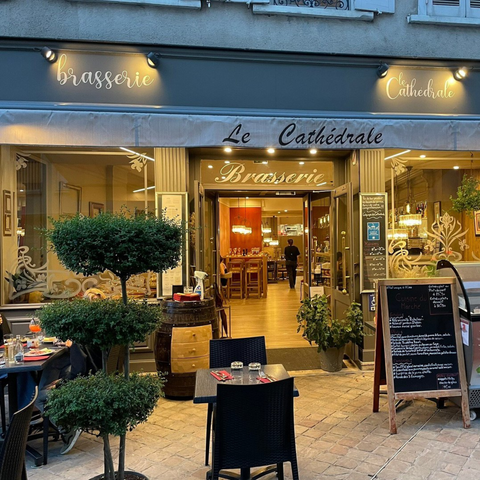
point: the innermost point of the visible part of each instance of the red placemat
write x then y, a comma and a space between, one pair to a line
35, 359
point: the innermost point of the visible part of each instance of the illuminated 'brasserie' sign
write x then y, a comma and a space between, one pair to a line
100, 79
274, 173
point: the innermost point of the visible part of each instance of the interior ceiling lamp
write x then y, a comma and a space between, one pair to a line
460, 73
241, 225
274, 243
397, 234
409, 219
382, 70
48, 54
153, 59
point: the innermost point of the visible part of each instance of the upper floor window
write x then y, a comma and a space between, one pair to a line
453, 8
337, 4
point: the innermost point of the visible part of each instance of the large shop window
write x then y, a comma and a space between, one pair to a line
49, 185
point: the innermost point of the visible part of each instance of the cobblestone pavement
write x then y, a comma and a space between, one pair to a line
338, 437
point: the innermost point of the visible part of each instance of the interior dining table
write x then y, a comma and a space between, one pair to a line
206, 386
13, 370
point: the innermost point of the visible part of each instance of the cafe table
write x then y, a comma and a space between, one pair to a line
206, 386
13, 370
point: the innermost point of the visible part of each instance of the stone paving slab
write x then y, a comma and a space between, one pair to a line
338, 437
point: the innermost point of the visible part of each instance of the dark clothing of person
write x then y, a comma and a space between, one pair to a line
291, 254
291, 272
224, 281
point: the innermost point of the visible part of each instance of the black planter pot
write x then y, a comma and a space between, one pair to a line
138, 476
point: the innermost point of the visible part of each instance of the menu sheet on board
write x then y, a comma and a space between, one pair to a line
422, 333
172, 205
374, 239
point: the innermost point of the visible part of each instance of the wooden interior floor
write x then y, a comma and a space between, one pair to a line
274, 316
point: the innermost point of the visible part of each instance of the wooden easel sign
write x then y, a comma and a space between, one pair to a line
419, 334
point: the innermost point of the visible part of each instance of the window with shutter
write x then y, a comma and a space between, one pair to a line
473, 9
464, 13
451, 8
384, 6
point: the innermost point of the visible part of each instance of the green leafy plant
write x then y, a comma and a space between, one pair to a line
101, 323
105, 405
126, 245
468, 196
317, 325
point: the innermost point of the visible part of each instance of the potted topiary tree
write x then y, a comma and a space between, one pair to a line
126, 245
329, 334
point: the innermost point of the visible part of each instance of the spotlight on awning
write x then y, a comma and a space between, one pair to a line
48, 54
382, 70
460, 73
153, 60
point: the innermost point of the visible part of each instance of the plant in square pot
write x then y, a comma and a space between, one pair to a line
329, 334
125, 245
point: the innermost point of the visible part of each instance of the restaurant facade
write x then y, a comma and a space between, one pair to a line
100, 127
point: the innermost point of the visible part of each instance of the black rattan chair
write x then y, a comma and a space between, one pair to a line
12, 454
225, 351
254, 426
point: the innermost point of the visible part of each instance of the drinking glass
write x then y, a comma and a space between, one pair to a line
35, 326
8, 341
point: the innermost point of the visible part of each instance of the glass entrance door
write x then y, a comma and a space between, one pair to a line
205, 235
317, 248
342, 253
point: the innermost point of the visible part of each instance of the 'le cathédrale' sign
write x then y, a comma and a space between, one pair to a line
266, 174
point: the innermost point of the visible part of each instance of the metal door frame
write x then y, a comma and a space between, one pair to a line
347, 250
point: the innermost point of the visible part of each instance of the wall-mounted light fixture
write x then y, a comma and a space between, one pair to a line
48, 54
382, 70
153, 59
460, 73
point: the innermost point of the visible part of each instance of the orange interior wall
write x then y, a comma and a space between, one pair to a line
224, 217
254, 220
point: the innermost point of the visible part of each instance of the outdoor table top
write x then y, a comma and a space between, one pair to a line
28, 366
206, 384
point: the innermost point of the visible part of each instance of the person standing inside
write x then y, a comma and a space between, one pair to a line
291, 258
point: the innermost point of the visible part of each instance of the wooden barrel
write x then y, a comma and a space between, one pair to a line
182, 343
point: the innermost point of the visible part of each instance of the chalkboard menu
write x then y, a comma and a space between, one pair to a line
373, 246
418, 349
422, 337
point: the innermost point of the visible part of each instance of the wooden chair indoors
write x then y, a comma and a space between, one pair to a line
222, 354
253, 278
237, 282
254, 427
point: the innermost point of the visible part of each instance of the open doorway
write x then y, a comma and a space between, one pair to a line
257, 255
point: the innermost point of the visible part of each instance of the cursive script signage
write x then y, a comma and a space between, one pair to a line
401, 86
67, 74
259, 175
292, 135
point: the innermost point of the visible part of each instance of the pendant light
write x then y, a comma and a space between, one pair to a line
241, 223
246, 229
409, 219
